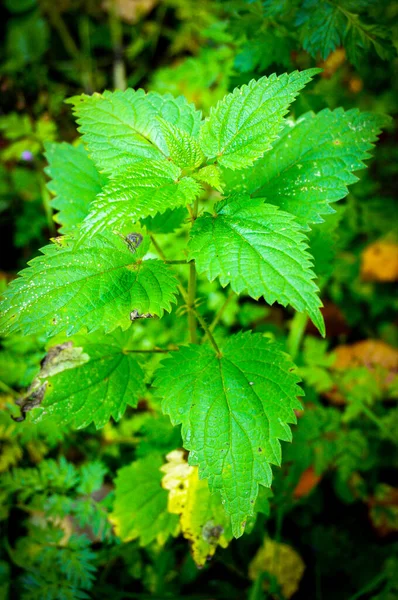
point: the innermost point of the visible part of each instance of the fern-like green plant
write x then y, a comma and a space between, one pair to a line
253, 184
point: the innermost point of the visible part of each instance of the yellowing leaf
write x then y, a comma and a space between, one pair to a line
380, 262
281, 561
203, 519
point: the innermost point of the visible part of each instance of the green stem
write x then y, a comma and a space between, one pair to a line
116, 29
85, 56
220, 313
47, 205
59, 25
6, 388
297, 329
369, 586
184, 294
191, 303
369, 413
192, 288
176, 262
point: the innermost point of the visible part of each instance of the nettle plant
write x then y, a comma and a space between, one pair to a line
252, 183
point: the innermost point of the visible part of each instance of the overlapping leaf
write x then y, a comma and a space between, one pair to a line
75, 183
145, 189
95, 286
203, 519
243, 125
183, 148
140, 508
312, 162
234, 409
259, 249
121, 128
101, 387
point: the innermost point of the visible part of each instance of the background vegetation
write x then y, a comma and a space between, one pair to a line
328, 530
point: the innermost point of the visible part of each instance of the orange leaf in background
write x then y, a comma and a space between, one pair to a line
383, 509
368, 353
130, 11
333, 62
380, 262
379, 358
307, 482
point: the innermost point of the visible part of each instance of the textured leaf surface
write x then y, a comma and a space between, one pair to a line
140, 508
97, 389
312, 163
203, 519
245, 123
183, 149
143, 190
121, 128
95, 286
234, 409
259, 249
75, 183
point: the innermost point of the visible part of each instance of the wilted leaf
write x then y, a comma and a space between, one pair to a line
203, 519
380, 262
279, 560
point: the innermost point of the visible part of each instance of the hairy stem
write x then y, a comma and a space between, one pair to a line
297, 329
191, 303
220, 313
184, 294
192, 288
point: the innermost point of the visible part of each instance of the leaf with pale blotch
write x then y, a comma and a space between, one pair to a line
183, 148
75, 181
145, 189
243, 125
95, 287
140, 507
121, 128
96, 389
203, 519
234, 409
312, 163
257, 249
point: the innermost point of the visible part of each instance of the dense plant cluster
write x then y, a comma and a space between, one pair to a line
198, 369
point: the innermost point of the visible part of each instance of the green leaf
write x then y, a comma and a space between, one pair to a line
169, 221
144, 189
120, 128
234, 409
183, 149
325, 25
242, 127
75, 183
312, 162
140, 508
211, 175
99, 388
95, 287
258, 249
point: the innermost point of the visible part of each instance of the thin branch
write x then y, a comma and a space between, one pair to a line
220, 313
184, 294
191, 303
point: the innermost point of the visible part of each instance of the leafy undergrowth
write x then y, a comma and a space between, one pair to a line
198, 375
